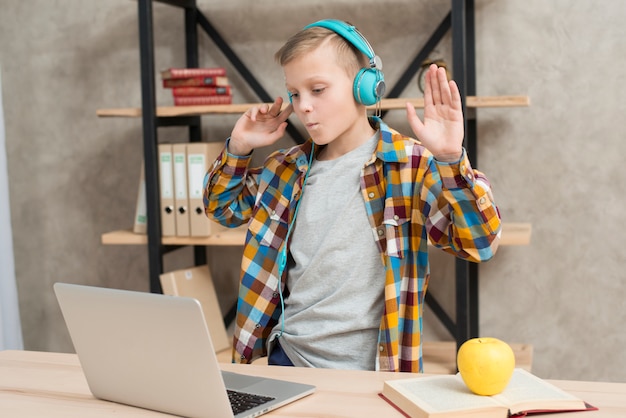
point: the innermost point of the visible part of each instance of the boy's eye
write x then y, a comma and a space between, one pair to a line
293, 95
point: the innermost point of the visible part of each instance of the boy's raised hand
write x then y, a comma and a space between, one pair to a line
442, 130
259, 126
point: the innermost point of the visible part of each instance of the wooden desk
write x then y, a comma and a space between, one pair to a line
37, 384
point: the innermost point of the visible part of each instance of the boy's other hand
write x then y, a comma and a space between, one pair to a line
260, 126
442, 130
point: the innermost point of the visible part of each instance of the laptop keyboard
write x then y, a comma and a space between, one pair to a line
241, 401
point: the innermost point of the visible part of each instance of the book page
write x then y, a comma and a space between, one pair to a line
442, 393
527, 391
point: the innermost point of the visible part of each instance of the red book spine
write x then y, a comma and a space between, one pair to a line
209, 81
193, 72
202, 100
201, 91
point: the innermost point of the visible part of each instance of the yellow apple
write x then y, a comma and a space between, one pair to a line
485, 365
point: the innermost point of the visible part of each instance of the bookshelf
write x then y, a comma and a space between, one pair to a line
460, 21
512, 234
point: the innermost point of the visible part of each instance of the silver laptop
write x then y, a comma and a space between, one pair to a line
154, 351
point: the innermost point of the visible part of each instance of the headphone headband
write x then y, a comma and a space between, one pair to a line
349, 33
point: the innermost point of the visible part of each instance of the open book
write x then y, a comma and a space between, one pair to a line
445, 396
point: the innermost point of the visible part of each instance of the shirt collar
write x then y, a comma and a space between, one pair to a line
300, 155
388, 148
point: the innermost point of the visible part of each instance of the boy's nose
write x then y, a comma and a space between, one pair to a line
305, 104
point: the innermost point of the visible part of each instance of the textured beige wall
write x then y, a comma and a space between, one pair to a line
557, 164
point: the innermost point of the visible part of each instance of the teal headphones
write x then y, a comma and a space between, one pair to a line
369, 83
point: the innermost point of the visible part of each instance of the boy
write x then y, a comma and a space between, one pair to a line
343, 286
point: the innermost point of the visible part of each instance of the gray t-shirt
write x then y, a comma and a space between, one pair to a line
336, 277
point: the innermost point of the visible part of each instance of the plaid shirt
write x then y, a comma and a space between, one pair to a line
410, 198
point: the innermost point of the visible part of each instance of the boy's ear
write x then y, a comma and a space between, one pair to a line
369, 86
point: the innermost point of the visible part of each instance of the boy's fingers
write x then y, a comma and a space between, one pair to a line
414, 120
444, 85
434, 84
275, 109
284, 114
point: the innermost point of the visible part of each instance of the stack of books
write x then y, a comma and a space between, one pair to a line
198, 86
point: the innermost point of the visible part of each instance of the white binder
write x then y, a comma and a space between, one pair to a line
200, 155
141, 212
166, 180
181, 200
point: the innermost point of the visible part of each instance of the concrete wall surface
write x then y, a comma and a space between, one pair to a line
555, 164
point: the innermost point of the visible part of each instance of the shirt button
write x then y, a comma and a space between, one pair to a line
275, 295
381, 232
396, 217
463, 169
371, 195
381, 348
257, 326
482, 200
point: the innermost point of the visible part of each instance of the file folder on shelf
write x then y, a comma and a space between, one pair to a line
181, 201
199, 156
166, 181
197, 283
141, 215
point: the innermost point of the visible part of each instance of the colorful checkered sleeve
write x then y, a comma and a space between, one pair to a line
462, 216
229, 189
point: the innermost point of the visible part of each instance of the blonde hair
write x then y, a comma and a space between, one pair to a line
307, 40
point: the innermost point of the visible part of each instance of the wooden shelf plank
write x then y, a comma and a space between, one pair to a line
173, 111
516, 233
235, 237
472, 101
512, 234
386, 104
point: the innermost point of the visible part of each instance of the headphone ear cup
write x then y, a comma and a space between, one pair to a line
369, 86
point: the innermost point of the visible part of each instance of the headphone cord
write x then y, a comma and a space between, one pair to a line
282, 257
378, 111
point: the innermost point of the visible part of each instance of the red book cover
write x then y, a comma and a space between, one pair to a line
202, 100
201, 91
208, 81
520, 415
193, 72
